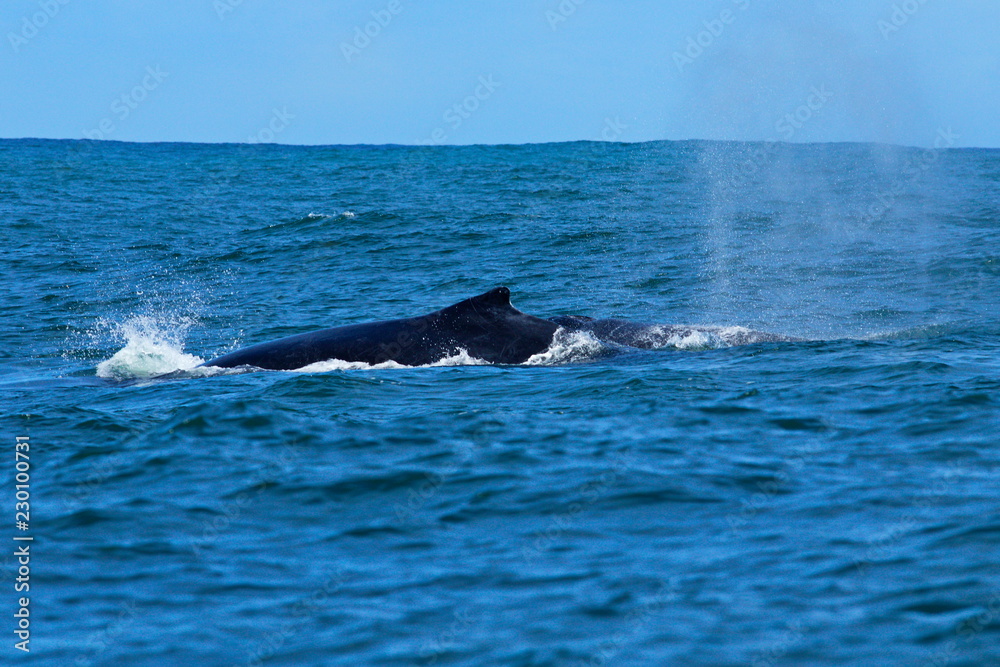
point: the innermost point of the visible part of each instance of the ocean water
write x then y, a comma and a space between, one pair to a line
827, 502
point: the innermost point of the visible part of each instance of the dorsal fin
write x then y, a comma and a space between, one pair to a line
498, 296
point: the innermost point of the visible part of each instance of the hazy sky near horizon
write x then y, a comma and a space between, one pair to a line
491, 71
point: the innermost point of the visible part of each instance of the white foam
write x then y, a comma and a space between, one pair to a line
153, 346
700, 338
339, 365
460, 358
327, 216
567, 346
693, 340
740, 336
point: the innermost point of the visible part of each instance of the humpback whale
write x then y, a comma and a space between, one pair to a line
486, 327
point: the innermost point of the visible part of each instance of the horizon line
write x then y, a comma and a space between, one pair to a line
504, 145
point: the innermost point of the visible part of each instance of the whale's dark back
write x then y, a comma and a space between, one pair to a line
487, 327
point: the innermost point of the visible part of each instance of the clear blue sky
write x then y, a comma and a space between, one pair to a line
304, 72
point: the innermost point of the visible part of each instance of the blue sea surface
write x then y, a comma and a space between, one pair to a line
827, 502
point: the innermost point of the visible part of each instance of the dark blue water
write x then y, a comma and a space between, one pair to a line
828, 502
